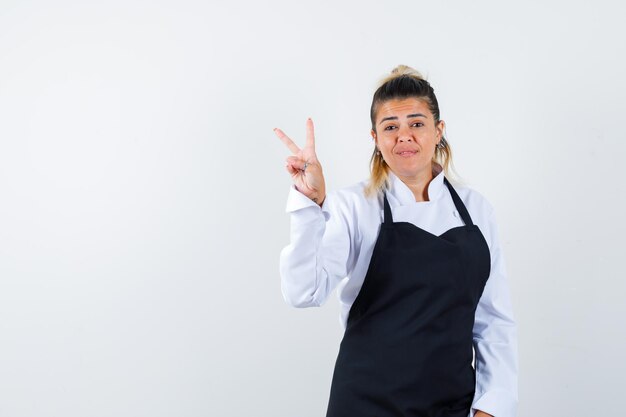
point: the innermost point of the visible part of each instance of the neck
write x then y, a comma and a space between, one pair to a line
418, 184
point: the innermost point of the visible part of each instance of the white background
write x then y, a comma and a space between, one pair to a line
142, 191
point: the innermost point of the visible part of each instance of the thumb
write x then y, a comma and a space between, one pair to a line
297, 163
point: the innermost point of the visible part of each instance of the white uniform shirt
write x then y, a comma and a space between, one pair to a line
331, 247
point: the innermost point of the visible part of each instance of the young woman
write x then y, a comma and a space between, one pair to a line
418, 266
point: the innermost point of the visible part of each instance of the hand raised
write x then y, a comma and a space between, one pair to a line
309, 179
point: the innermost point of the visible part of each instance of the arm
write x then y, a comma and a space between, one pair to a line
319, 254
495, 339
317, 257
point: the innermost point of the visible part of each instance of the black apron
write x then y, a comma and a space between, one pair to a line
407, 347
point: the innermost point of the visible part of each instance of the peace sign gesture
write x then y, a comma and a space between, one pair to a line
305, 169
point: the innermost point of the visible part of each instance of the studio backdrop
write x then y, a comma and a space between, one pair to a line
143, 192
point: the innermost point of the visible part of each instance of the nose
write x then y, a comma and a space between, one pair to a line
405, 134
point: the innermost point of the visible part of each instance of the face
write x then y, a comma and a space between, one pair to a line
406, 135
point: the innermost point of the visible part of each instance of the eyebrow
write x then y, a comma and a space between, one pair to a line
408, 116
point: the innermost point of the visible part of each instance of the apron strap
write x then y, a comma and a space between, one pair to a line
458, 203
388, 218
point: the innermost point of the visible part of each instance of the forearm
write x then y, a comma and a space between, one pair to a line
299, 260
495, 339
319, 251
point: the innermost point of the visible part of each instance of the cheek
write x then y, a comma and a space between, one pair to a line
385, 145
388, 149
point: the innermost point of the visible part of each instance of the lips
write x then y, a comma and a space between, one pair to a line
406, 152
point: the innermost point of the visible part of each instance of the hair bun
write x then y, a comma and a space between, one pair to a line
406, 70
399, 71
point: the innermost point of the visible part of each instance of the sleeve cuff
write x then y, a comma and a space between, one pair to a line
497, 402
296, 200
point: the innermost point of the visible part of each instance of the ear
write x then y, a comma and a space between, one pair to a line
440, 127
374, 136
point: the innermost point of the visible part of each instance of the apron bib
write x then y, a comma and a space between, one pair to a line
407, 347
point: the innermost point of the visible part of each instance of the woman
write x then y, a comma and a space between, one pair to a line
418, 265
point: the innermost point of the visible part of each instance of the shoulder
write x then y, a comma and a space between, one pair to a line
480, 209
354, 192
474, 200
351, 200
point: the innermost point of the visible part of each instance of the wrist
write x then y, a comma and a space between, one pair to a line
319, 199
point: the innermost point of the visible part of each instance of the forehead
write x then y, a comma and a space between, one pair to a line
401, 107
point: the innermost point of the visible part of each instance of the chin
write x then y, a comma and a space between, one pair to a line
411, 171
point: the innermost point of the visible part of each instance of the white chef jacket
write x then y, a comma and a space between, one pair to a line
331, 247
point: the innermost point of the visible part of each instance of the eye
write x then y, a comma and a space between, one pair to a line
388, 127
418, 123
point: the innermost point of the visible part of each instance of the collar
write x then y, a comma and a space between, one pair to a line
405, 196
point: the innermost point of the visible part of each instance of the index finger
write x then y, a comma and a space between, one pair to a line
310, 136
290, 144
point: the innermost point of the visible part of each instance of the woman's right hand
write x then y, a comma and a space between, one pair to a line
309, 181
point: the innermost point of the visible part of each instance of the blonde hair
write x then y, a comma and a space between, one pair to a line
406, 82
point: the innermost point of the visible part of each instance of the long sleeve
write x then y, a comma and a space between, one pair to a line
495, 339
319, 254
